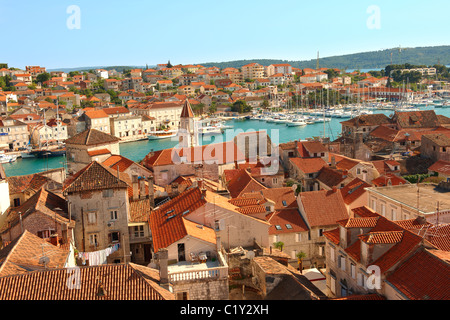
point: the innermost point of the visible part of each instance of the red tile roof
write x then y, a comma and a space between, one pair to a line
92, 137
187, 112
252, 209
23, 254
44, 202
323, 208
354, 190
287, 220
166, 222
441, 167
219, 153
333, 235
388, 179
283, 197
423, 277
118, 281
243, 183
96, 176
308, 165
98, 152
407, 242
364, 212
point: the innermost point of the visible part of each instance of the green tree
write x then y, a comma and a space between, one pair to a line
279, 245
241, 106
43, 77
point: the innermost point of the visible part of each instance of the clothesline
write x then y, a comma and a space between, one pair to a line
97, 257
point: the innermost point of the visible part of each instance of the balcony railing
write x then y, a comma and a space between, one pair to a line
214, 273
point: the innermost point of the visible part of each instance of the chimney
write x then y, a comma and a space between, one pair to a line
151, 191
335, 189
333, 162
345, 174
135, 183
218, 244
163, 257
142, 193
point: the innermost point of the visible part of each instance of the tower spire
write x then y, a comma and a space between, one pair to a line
187, 135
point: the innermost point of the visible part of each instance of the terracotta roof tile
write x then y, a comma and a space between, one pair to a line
423, 277
354, 190
98, 152
43, 201
323, 208
92, 137
333, 235
166, 221
308, 165
243, 183
252, 209
286, 221
96, 176
23, 255
119, 282
388, 180
140, 210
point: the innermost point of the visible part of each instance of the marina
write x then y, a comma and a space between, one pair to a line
280, 132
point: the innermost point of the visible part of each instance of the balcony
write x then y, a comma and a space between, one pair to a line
209, 270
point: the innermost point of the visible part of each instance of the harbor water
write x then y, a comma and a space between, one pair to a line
136, 151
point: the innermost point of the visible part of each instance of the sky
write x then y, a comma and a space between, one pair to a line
52, 34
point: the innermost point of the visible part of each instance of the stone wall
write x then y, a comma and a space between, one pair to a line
203, 290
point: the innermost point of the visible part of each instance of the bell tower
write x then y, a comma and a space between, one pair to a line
187, 135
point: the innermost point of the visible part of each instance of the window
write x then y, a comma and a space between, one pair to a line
93, 239
274, 180
139, 231
320, 232
45, 234
114, 236
182, 296
278, 227
373, 205
92, 217
298, 237
284, 203
393, 214
342, 263
332, 254
321, 250
353, 270
360, 280
383, 209
288, 226
108, 193
113, 214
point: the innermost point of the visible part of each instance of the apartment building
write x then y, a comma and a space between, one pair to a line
253, 71
13, 134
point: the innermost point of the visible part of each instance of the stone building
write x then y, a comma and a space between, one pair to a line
369, 254
45, 214
87, 146
98, 201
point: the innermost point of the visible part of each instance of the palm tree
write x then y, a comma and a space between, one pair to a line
279, 245
300, 256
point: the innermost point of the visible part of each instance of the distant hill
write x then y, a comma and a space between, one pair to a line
364, 60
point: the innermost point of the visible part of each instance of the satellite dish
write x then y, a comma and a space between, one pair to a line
44, 260
250, 255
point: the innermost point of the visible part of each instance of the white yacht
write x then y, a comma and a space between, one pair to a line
162, 134
7, 158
